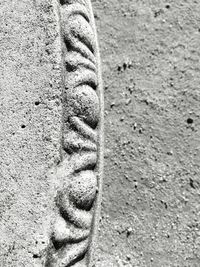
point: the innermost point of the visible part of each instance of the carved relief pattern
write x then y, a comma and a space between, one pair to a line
72, 231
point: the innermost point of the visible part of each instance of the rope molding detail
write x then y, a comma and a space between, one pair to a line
78, 199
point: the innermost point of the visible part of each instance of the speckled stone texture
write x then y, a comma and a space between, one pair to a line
151, 70
51, 133
30, 121
78, 194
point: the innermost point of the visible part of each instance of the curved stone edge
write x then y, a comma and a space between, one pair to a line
100, 163
88, 255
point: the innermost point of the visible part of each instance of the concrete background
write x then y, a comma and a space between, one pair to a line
151, 68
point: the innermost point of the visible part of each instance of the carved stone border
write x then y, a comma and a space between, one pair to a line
78, 197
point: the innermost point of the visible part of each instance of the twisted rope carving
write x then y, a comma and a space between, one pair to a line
72, 230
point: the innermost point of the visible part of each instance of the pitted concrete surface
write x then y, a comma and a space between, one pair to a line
151, 71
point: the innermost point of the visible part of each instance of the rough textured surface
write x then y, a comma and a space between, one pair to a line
50, 135
150, 52
30, 116
78, 191
151, 71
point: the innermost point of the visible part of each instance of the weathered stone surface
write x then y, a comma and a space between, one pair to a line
79, 191
151, 72
51, 133
150, 52
30, 127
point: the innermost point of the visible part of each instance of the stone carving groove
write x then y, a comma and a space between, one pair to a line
78, 195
